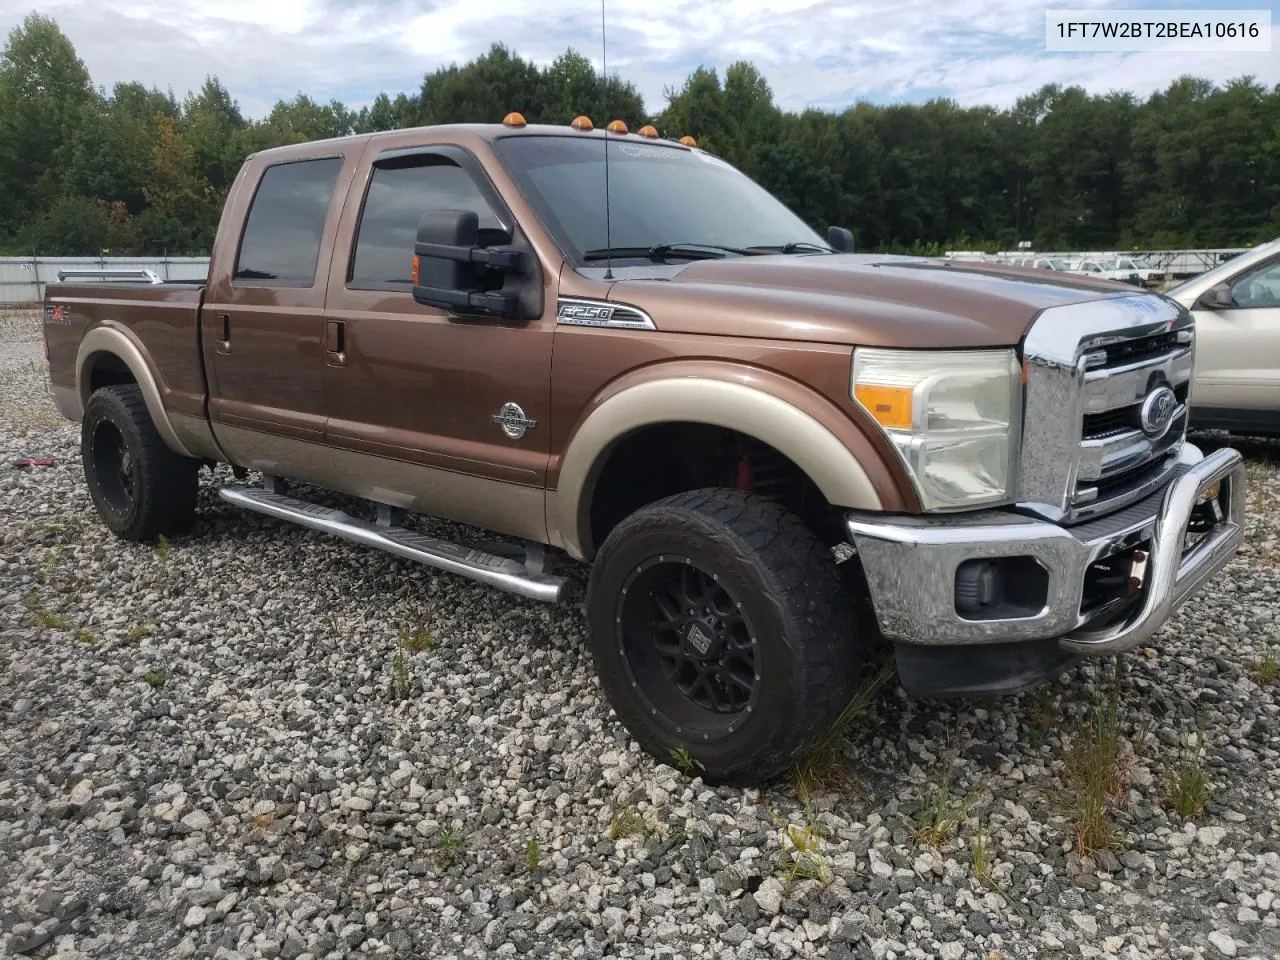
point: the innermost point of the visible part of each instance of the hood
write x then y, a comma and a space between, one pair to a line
856, 299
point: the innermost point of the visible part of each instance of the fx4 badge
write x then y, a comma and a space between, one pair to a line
513, 421
56, 313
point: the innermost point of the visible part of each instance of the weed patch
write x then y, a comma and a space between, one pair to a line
449, 849
1094, 774
1188, 790
627, 822
823, 767
42, 617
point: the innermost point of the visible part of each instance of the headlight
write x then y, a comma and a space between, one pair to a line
953, 416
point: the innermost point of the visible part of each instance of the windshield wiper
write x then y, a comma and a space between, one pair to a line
666, 251
793, 246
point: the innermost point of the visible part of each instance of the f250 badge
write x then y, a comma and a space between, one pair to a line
513, 421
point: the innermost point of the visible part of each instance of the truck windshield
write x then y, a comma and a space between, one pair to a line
658, 195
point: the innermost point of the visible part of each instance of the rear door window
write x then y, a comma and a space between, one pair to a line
285, 226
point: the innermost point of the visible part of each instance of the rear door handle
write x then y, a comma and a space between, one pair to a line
224, 333
335, 342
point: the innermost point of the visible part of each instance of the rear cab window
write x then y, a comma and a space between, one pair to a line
285, 226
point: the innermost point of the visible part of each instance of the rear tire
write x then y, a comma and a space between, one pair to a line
140, 487
722, 633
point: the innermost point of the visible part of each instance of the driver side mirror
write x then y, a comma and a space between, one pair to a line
451, 271
1215, 298
841, 239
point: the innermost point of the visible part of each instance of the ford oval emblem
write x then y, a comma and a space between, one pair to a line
1157, 411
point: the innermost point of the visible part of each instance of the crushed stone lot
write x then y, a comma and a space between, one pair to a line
256, 741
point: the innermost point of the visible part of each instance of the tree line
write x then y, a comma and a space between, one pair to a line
136, 171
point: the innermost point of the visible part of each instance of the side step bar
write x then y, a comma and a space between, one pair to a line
504, 573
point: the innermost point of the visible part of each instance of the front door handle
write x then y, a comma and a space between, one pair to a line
335, 342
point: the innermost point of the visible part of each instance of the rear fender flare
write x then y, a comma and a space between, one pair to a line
120, 345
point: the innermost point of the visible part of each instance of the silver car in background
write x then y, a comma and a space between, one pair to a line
1236, 385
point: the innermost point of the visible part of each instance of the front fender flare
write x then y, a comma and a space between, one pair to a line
749, 407
106, 339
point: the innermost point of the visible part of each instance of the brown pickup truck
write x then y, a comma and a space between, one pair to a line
756, 437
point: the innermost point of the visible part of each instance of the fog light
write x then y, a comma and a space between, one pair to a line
979, 584
1001, 588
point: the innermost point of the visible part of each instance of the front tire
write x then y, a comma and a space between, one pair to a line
140, 487
722, 633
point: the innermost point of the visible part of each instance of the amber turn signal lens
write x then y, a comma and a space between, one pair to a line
648, 130
689, 141
617, 126
513, 119
891, 406
413, 271
582, 123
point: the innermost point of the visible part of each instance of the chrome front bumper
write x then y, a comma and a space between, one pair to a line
910, 563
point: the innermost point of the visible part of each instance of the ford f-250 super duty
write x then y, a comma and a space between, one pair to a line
751, 434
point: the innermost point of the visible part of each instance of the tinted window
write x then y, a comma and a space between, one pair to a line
400, 192
657, 194
286, 221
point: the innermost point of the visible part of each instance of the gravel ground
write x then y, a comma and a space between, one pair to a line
205, 751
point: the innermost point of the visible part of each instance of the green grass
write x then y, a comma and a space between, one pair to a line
155, 678
627, 822
138, 631
416, 641
979, 854
399, 677
801, 857
1266, 669
823, 767
532, 855
43, 617
941, 816
1188, 788
1093, 773
1043, 716
85, 635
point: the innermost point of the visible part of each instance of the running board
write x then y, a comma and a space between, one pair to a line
504, 573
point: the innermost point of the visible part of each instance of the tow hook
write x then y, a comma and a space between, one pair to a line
1137, 569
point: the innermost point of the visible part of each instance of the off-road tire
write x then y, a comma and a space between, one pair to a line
787, 588
159, 494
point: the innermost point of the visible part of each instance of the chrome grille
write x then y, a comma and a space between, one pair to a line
1090, 369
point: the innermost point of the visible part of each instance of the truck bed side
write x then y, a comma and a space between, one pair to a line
99, 334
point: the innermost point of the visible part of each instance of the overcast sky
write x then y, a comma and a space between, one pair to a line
824, 53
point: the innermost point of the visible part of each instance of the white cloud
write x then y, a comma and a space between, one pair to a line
813, 52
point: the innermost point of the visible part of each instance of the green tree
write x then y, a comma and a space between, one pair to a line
44, 92
482, 91
571, 87
79, 226
215, 128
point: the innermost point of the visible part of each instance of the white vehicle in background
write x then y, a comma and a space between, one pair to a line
1236, 384
1109, 270
1148, 275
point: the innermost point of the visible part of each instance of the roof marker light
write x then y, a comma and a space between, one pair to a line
689, 141
648, 130
617, 126
513, 119
582, 123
